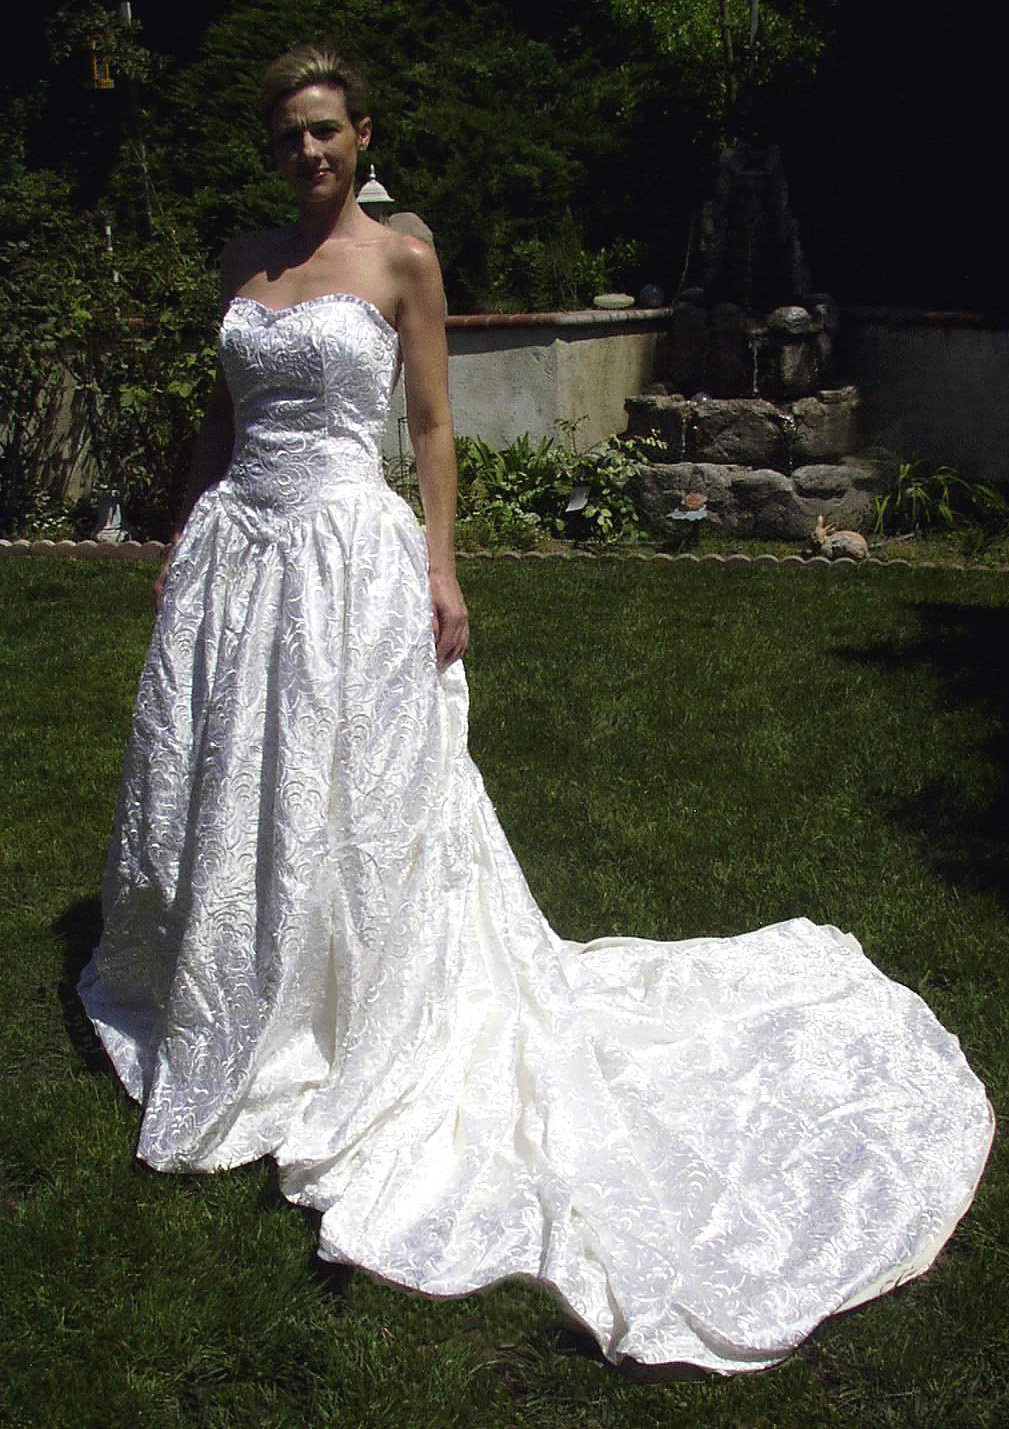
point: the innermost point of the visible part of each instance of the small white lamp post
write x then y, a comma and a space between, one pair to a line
374, 199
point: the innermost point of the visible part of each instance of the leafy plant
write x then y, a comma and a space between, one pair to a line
146, 362
519, 495
504, 493
108, 320
32, 381
923, 497
559, 271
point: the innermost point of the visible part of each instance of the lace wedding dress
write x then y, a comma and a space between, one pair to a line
319, 947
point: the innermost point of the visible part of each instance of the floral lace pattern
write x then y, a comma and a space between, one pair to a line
319, 947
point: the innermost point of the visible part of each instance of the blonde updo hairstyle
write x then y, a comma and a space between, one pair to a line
314, 64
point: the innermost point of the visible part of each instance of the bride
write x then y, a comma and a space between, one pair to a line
319, 947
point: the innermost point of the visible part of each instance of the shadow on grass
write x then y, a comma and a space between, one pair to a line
80, 927
511, 1363
965, 832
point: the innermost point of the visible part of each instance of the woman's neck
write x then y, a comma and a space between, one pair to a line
318, 222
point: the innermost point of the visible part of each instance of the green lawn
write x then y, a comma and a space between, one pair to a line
673, 749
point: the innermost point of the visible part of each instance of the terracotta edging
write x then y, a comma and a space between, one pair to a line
712, 558
87, 550
584, 317
155, 550
858, 316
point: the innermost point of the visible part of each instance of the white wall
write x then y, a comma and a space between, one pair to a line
509, 376
933, 386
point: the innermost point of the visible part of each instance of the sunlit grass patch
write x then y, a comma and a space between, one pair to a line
672, 750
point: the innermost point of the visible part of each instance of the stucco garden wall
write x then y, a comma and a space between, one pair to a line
511, 374
934, 385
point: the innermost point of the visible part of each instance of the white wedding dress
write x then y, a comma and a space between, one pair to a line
319, 947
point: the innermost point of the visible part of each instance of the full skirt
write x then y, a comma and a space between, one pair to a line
319, 947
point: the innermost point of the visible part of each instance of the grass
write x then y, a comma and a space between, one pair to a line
673, 750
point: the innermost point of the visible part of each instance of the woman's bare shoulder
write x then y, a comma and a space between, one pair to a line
407, 254
413, 266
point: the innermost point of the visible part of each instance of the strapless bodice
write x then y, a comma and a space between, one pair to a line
311, 386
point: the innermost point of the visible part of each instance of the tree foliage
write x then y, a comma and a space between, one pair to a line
733, 57
555, 148
109, 324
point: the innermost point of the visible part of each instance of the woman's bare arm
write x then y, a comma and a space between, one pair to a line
421, 324
211, 450
209, 461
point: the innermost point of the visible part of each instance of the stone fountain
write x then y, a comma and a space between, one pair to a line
745, 414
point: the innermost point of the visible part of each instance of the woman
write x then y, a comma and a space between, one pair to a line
317, 131
318, 944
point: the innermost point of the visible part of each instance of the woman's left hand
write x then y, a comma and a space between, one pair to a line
451, 619
162, 576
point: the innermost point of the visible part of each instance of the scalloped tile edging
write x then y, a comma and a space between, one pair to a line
87, 550
155, 550
734, 558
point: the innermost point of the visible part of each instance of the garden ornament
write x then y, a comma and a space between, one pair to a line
834, 544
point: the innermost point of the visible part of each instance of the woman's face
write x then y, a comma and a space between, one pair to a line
316, 143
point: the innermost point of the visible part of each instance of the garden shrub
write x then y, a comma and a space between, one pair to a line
921, 496
517, 496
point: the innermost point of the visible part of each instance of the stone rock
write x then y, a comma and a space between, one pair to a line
764, 468
728, 317
738, 430
727, 368
745, 430
825, 310
659, 489
822, 481
764, 504
824, 351
790, 319
664, 417
749, 239
795, 367
731, 352
865, 475
411, 224
841, 492
688, 334
825, 425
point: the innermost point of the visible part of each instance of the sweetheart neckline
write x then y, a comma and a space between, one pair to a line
340, 297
